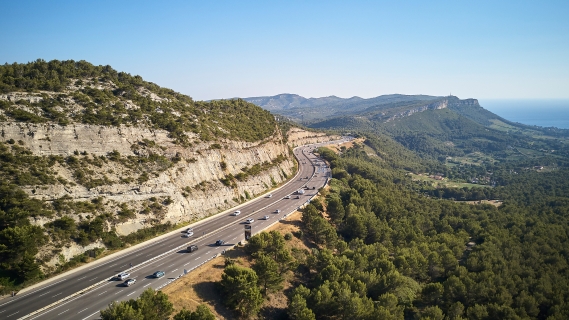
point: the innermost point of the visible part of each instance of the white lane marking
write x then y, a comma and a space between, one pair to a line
186, 264
170, 265
57, 294
2, 311
113, 265
146, 285
120, 291
60, 305
43, 294
93, 279
12, 314
62, 312
82, 310
196, 258
27, 294
101, 293
82, 278
208, 252
130, 294
89, 316
149, 254
174, 270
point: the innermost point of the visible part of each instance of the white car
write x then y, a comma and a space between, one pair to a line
287, 197
187, 234
270, 196
278, 211
266, 217
236, 213
129, 282
123, 275
190, 230
249, 220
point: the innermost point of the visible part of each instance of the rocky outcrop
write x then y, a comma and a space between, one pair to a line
298, 137
442, 104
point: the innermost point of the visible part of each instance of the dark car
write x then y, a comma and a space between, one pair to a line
192, 248
158, 274
219, 242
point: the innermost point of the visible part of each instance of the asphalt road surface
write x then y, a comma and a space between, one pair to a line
167, 254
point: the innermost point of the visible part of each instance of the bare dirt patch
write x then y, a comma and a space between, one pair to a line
336, 147
495, 203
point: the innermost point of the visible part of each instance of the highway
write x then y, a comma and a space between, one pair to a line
168, 254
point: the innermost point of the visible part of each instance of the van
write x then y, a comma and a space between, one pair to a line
192, 248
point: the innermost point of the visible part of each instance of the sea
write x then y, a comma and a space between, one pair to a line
543, 113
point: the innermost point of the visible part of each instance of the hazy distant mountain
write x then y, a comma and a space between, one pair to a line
308, 109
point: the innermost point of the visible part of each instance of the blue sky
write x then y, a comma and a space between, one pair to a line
222, 49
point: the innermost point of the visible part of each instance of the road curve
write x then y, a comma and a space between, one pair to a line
88, 290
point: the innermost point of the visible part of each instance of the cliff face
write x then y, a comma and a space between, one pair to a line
431, 106
192, 185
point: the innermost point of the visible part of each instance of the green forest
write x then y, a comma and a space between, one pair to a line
389, 252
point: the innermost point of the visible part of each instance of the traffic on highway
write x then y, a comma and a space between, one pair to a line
83, 292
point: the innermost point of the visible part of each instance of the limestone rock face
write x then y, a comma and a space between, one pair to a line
191, 185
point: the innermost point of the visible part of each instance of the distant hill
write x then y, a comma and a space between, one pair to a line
299, 108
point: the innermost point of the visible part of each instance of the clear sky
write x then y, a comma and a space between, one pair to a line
222, 49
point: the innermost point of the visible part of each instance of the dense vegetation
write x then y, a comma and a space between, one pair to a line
100, 95
152, 305
387, 251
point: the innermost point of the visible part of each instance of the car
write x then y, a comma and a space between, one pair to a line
122, 275
192, 248
297, 197
219, 242
188, 234
129, 282
159, 274
278, 211
249, 221
270, 196
265, 217
236, 213
287, 197
190, 230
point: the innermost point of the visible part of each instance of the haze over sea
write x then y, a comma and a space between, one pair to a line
544, 113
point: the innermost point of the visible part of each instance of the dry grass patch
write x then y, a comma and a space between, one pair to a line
336, 147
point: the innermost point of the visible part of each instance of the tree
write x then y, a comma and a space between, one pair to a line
239, 286
151, 305
202, 313
335, 208
121, 311
267, 271
432, 313
432, 293
297, 309
154, 305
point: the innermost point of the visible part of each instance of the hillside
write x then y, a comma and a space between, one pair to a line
310, 109
96, 159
